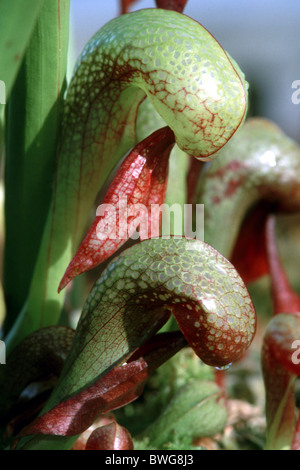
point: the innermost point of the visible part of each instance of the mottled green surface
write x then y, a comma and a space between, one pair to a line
199, 92
259, 163
137, 292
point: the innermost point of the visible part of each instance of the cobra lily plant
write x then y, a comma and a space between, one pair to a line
154, 117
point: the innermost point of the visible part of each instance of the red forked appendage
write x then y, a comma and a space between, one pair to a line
139, 184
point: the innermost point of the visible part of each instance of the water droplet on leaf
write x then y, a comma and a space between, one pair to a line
226, 367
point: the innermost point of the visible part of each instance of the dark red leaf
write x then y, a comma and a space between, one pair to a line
140, 181
38, 355
195, 168
118, 387
249, 256
162, 345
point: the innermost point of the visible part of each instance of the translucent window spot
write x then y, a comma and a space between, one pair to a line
186, 277
163, 297
162, 277
143, 285
178, 40
211, 318
120, 284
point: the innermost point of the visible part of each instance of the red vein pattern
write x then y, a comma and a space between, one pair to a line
140, 183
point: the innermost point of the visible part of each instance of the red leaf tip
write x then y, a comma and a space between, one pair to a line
140, 182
